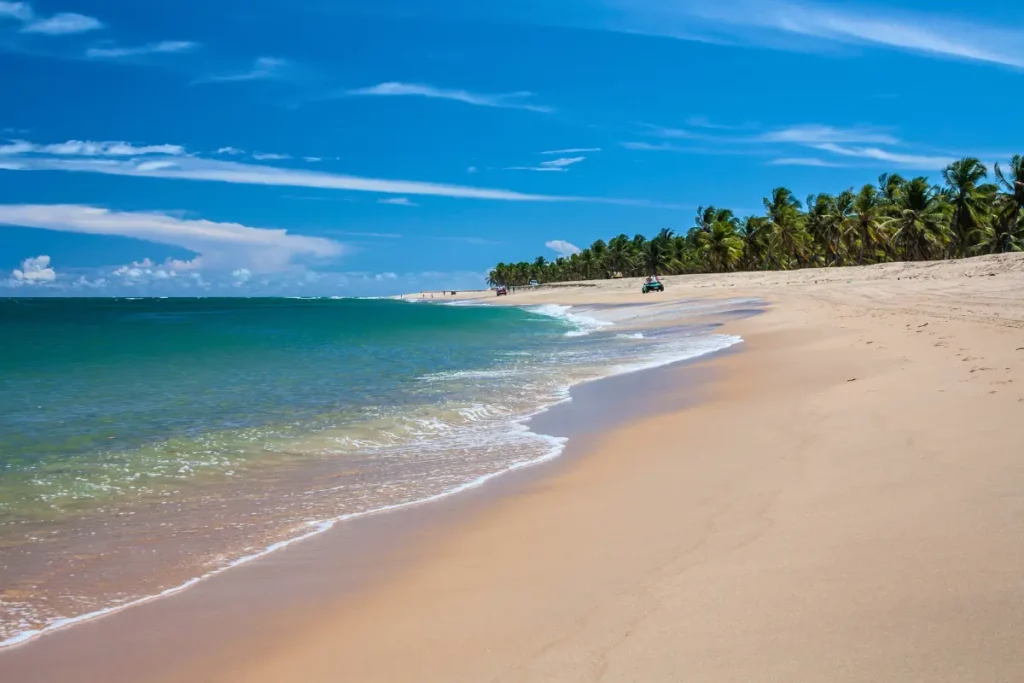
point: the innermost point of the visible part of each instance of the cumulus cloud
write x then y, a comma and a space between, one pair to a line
34, 271
562, 248
220, 245
515, 100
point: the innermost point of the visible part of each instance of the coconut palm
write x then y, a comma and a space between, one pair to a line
657, 257
920, 221
620, 255
867, 210
969, 200
721, 247
788, 237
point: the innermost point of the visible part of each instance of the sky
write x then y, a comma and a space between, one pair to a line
343, 147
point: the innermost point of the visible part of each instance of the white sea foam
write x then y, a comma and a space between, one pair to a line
476, 426
585, 324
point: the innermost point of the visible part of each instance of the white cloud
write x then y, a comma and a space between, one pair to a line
814, 134
62, 24
563, 248
89, 149
241, 275
232, 151
221, 245
804, 161
312, 160
264, 68
34, 271
780, 24
472, 169
163, 47
573, 150
909, 160
397, 201
653, 147
268, 156
514, 100
556, 165
21, 11
193, 168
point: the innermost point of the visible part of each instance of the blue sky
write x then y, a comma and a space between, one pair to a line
328, 147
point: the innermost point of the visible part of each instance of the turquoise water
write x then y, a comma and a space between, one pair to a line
147, 442
110, 397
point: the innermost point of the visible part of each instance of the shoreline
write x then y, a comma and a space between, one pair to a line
844, 505
318, 527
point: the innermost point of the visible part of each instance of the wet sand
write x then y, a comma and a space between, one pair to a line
843, 504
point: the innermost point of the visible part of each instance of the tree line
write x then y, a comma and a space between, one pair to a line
894, 220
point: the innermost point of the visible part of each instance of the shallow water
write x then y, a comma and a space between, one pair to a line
144, 443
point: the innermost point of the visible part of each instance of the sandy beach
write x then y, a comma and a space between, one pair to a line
843, 503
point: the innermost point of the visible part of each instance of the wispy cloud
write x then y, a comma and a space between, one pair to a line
814, 134
184, 166
910, 160
264, 68
653, 147
64, 23
572, 150
397, 201
230, 151
563, 248
163, 47
804, 161
515, 100
89, 149
269, 156
555, 165
212, 170
781, 24
220, 245
21, 11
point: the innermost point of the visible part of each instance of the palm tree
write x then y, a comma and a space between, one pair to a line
867, 209
620, 255
838, 225
1011, 199
754, 233
968, 199
788, 237
920, 223
656, 257
722, 247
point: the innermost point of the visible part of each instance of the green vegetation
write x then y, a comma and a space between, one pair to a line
895, 220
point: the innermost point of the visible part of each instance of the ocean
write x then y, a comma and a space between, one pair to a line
147, 443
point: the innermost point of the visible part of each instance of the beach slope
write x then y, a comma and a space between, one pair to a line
846, 505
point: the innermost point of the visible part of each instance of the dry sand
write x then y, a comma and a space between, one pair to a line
848, 506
